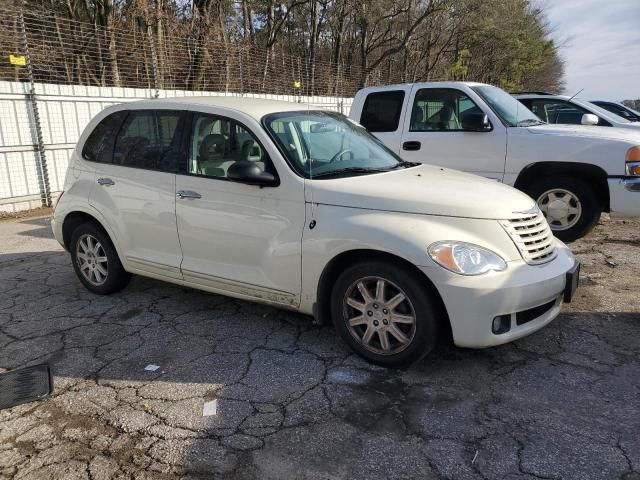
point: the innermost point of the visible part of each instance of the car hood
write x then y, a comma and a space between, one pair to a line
607, 133
424, 189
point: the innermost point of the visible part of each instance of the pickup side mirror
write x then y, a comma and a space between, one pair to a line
589, 119
476, 122
248, 172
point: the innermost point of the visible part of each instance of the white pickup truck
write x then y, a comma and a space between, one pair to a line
574, 172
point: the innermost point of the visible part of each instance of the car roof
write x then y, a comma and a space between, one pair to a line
542, 95
252, 107
420, 84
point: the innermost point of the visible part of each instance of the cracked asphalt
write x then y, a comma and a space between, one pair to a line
292, 401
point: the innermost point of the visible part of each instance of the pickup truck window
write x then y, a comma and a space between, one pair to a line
326, 144
440, 109
511, 111
381, 111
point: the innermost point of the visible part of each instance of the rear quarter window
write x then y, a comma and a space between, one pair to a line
381, 111
100, 142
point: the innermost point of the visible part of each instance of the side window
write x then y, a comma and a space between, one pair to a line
440, 109
217, 143
554, 111
381, 111
99, 144
149, 139
538, 108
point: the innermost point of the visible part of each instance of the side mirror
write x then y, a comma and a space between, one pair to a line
475, 122
251, 174
589, 119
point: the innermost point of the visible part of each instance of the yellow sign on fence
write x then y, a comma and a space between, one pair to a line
297, 84
18, 60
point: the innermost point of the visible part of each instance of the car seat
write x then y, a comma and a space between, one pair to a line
211, 155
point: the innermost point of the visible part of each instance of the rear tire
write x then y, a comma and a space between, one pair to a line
96, 261
385, 313
570, 205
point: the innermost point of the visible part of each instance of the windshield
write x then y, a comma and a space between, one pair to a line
511, 111
598, 110
322, 144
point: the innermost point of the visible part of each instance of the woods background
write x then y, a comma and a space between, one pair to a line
310, 47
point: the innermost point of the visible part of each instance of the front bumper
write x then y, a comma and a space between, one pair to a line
624, 196
472, 302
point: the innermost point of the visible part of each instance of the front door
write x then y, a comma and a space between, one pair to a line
237, 239
435, 133
135, 191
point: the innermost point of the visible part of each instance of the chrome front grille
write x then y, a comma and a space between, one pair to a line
532, 236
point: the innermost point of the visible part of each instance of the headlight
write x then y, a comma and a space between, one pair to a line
633, 161
466, 258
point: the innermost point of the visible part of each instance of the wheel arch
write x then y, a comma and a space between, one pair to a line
74, 219
340, 262
595, 176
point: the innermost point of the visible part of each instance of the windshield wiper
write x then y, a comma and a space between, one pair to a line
344, 171
405, 164
529, 122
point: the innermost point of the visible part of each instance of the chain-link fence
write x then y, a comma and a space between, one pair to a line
57, 73
182, 56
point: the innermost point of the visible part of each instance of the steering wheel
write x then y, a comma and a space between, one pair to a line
340, 154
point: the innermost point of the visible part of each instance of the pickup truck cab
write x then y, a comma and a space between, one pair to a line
574, 172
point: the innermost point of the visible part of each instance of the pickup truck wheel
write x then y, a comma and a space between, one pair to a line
384, 313
96, 261
570, 206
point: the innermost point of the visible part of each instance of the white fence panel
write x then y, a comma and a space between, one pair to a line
65, 110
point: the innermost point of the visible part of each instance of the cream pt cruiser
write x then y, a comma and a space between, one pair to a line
303, 209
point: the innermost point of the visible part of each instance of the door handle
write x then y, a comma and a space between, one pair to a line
411, 145
106, 182
188, 194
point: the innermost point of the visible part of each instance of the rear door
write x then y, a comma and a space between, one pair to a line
383, 113
435, 133
135, 190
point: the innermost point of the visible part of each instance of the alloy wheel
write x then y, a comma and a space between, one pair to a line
379, 315
92, 260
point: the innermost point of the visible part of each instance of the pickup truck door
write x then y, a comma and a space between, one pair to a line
435, 132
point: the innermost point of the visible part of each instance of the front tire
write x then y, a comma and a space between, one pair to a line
384, 313
570, 205
96, 261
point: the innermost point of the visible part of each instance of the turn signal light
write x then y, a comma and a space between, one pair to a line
633, 154
633, 161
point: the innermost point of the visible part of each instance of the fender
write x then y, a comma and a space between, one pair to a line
405, 236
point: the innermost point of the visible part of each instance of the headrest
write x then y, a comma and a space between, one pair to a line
417, 116
211, 144
446, 113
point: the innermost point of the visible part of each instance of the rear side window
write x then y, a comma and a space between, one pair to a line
381, 112
149, 139
99, 144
